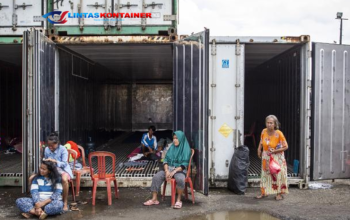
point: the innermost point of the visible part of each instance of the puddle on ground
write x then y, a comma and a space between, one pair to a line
235, 215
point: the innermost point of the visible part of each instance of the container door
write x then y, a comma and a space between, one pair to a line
331, 112
38, 98
191, 99
226, 125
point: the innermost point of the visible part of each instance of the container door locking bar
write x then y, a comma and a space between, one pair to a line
3, 6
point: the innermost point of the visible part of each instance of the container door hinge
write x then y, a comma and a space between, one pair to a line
213, 47
212, 149
238, 85
169, 17
3, 6
29, 112
237, 117
309, 54
238, 47
213, 85
213, 117
309, 85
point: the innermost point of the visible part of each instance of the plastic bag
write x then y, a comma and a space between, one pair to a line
274, 166
238, 172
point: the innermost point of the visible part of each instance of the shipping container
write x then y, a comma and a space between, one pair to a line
163, 20
17, 16
216, 90
89, 17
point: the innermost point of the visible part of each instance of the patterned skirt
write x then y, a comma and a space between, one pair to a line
273, 184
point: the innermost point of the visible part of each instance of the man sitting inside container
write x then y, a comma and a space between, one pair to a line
149, 144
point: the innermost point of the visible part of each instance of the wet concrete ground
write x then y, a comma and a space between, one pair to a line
299, 204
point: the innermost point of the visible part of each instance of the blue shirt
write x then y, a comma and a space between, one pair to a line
149, 142
42, 189
61, 156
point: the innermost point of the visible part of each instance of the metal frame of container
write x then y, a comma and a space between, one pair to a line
219, 144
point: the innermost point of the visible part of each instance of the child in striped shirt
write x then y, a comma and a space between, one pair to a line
46, 191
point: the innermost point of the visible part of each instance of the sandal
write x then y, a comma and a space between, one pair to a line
260, 196
178, 205
43, 216
74, 208
280, 197
27, 215
151, 202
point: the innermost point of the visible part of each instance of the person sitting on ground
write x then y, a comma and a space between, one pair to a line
46, 190
58, 154
149, 144
175, 163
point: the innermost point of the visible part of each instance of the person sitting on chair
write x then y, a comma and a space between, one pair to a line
175, 163
58, 154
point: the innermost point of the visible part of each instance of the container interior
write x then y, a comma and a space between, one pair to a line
112, 94
10, 108
272, 87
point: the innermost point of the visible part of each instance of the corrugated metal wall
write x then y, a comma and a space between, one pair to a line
75, 97
10, 100
152, 104
274, 89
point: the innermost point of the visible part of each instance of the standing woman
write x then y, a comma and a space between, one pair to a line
273, 143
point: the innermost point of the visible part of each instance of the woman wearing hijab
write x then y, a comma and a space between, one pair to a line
175, 163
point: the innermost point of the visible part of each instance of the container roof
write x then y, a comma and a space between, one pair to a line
131, 61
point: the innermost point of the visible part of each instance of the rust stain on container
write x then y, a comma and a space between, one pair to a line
113, 39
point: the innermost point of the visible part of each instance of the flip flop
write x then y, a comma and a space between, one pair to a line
43, 216
281, 198
260, 197
178, 205
151, 202
74, 208
27, 215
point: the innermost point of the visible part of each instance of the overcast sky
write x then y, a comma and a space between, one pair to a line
266, 18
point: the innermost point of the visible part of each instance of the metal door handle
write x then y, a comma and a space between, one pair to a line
153, 5
128, 5
96, 5
22, 6
3, 6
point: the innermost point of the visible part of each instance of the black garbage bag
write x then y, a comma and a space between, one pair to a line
238, 173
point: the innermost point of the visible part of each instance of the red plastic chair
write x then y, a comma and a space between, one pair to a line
79, 173
187, 180
251, 133
74, 155
102, 174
